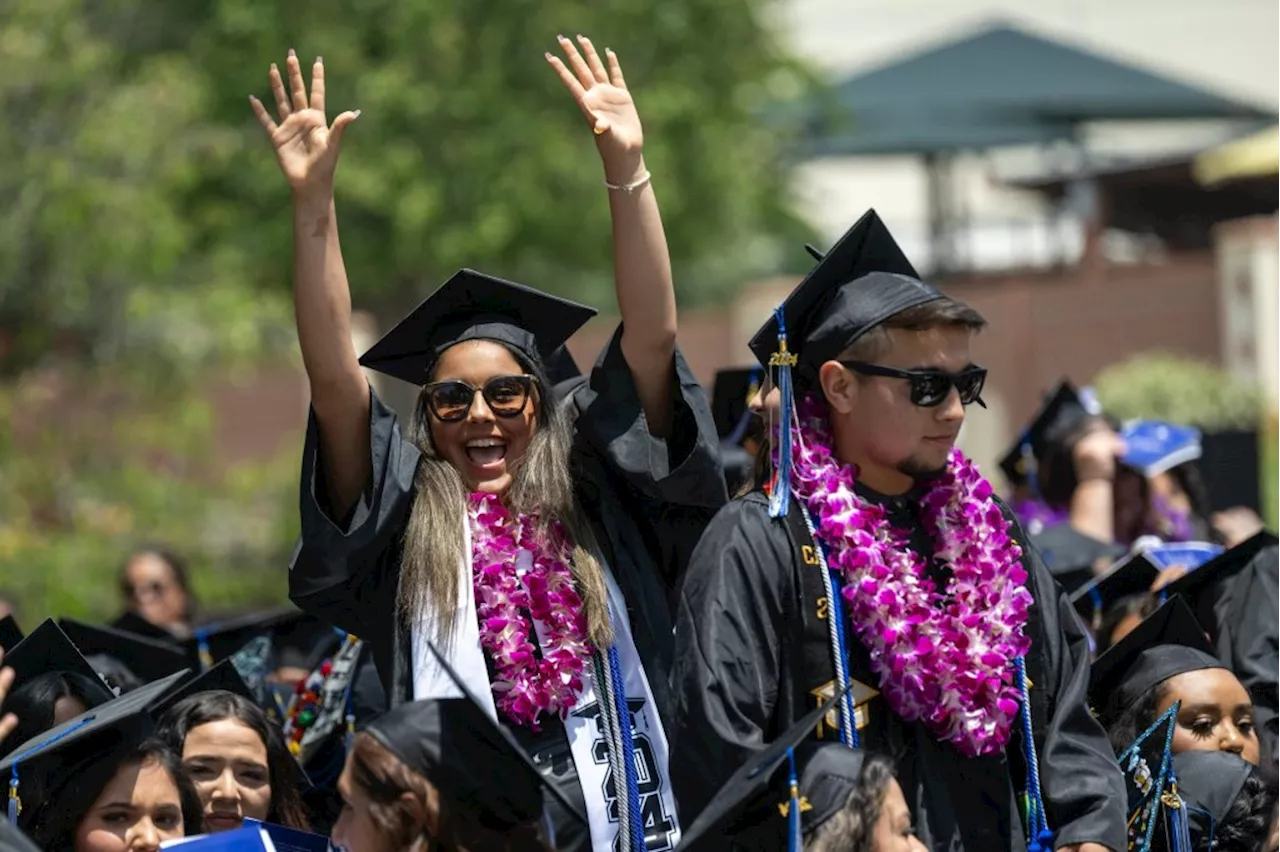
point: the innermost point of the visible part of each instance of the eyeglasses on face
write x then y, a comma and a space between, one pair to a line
930, 388
506, 396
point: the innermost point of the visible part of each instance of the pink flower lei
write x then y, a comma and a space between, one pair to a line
944, 659
527, 685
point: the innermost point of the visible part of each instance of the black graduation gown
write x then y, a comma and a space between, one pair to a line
648, 500
740, 681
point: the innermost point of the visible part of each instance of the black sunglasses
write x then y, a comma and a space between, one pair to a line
506, 396
930, 388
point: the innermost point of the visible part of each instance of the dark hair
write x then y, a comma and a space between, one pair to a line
1243, 828
1124, 722
854, 825
937, 313
168, 556
60, 813
1142, 604
34, 702
384, 779
216, 705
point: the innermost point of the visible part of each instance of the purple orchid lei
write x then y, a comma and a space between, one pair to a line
526, 685
944, 659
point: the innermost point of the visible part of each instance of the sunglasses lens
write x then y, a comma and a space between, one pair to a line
451, 400
969, 385
507, 395
930, 389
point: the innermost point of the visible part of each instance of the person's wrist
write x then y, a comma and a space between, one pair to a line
313, 195
624, 170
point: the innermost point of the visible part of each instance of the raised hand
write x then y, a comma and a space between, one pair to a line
9, 723
306, 144
607, 105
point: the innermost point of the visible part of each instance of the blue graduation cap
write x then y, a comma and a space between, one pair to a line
1154, 447
1189, 554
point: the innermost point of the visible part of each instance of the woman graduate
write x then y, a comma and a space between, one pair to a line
880, 562
538, 542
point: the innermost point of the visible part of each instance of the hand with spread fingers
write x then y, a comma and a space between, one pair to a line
306, 145
611, 113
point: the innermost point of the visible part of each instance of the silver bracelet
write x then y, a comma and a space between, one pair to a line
629, 188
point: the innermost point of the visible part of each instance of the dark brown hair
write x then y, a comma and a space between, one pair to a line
853, 826
935, 314
449, 828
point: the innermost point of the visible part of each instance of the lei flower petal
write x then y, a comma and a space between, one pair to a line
944, 659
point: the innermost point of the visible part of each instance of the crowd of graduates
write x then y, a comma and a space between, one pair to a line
556, 610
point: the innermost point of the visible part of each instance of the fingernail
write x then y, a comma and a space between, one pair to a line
547, 54
561, 38
274, 68
581, 37
319, 60
292, 55
357, 113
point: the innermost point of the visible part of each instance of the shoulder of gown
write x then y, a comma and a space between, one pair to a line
682, 469
1252, 646
339, 562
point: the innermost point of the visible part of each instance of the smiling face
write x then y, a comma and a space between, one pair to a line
877, 426
138, 809
482, 446
1216, 713
227, 762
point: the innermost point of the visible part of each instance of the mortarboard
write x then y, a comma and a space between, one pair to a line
1132, 575
1059, 414
561, 367
248, 838
131, 622
1188, 554
48, 649
222, 677
1070, 554
1147, 766
1202, 587
10, 633
212, 643
148, 659
291, 839
459, 747
475, 306
1153, 447
57, 755
755, 796
1209, 782
1167, 643
862, 281
730, 394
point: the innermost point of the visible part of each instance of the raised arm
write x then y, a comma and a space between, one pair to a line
641, 263
307, 147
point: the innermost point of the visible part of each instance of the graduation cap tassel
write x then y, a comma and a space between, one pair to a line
15, 800
15, 804
1179, 828
783, 360
1041, 837
202, 649
795, 837
618, 687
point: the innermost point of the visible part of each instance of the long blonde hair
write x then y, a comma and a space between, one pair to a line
542, 486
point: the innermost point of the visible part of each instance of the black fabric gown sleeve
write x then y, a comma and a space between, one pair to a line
345, 571
1253, 646
1083, 788
728, 649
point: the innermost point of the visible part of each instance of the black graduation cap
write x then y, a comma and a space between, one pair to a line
459, 747
131, 622
1147, 765
748, 802
48, 649
223, 676
1168, 642
212, 643
58, 755
861, 282
148, 659
1202, 587
1070, 554
475, 306
730, 394
1060, 413
561, 367
1209, 782
10, 633
1132, 575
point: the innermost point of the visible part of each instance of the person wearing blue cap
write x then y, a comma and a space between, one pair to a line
880, 559
538, 533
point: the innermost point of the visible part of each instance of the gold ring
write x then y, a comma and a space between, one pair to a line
598, 130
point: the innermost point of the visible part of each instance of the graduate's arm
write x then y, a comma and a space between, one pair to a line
641, 262
1093, 501
307, 148
1082, 785
728, 648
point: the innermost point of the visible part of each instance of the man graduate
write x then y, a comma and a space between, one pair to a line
881, 558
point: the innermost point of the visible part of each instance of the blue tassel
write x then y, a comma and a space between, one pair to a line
1037, 820
202, 649
780, 498
795, 836
15, 804
740, 429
